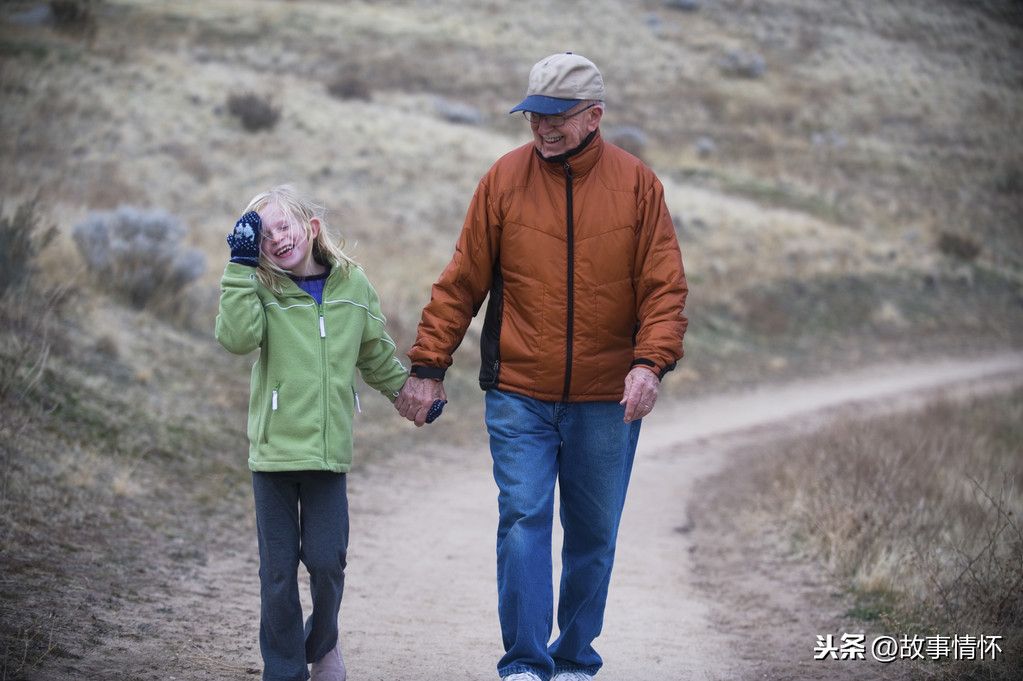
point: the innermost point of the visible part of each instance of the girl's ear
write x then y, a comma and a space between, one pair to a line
314, 228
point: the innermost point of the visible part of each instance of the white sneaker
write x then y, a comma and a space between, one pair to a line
521, 676
330, 668
572, 676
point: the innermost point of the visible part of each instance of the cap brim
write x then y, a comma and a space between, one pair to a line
547, 106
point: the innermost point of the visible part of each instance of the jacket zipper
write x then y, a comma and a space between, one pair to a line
324, 392
570, 285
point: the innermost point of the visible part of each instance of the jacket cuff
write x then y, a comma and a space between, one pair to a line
428, 372
649, 364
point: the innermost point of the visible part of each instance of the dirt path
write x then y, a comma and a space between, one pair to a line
421, 597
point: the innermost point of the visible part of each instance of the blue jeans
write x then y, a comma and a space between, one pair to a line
587, 449
300, 516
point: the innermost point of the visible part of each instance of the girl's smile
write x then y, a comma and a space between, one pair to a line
284, 251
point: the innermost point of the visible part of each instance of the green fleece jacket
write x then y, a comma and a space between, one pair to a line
303, 389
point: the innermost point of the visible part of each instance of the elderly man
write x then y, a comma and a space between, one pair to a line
571, 239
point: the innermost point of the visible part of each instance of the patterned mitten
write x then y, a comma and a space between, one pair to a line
244, 241
435, 410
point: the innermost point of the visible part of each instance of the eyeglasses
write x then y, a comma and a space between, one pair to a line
556, 120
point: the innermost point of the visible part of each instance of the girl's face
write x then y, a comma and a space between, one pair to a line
287, 244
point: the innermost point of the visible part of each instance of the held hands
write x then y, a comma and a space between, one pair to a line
641, 390
244, 240
421, 400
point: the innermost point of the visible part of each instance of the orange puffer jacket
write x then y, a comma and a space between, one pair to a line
581, 262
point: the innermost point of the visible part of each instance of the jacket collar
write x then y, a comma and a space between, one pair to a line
580, 160
291, 289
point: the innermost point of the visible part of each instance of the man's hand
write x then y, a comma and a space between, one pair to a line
641, 389
417, 396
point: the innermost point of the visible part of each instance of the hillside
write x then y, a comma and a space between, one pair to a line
847, 185
822, 166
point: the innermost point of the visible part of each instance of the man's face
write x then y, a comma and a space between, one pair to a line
553, 140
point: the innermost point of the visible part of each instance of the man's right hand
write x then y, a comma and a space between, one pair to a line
417, 396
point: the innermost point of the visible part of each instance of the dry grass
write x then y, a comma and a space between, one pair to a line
873, 131
98, 467
920, 516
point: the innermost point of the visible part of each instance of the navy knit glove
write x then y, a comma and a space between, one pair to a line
244, 241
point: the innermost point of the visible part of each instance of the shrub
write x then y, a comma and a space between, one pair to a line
254, 112
68, 13
454, 112
957, 246
684, 5
918, 515
630, 138
741, 64
137, 255
20, 244
26, 314
349, 86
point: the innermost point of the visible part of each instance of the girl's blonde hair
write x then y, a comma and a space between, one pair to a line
300, 210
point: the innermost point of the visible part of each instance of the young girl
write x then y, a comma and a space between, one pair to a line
290, 291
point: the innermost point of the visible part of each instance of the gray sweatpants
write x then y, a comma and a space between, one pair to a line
300, 516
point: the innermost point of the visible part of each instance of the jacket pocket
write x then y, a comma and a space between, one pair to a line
269, 411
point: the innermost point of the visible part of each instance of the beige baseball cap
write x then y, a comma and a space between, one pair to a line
559, 82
